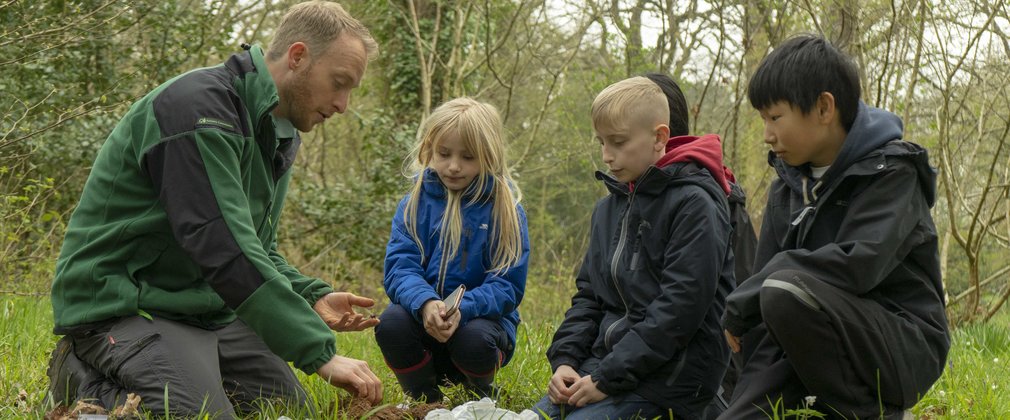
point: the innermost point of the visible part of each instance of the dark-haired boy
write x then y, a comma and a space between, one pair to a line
846, 304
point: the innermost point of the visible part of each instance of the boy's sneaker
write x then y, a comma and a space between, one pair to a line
66, 372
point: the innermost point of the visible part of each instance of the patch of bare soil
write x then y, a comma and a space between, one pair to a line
420, 410
359, 408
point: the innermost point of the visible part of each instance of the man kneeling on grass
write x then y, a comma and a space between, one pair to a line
169, 283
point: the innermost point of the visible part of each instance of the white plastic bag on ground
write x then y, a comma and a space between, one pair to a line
484, 409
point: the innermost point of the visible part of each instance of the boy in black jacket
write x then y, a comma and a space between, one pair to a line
642, 337
846, 303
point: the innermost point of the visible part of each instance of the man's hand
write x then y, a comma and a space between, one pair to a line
559, 388
436, 323
732, 340
337, 311
354, 376
584, 392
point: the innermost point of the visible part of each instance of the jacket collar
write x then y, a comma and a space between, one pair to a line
254, 84
655, 180
870, 164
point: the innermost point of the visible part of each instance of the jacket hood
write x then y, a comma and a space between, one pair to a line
919, 157
705, 151
872, 129
693, 160
874, 132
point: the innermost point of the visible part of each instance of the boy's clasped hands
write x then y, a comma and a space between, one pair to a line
567, 387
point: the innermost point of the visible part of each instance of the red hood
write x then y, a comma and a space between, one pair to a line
706, 151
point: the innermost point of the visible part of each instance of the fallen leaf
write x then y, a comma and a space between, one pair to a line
86, 408
129, 409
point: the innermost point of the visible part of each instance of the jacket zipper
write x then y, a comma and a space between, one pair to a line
616, 258
635, 256
268, 156
801, 222
443, 262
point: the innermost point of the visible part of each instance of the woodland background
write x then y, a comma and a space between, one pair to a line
69, 69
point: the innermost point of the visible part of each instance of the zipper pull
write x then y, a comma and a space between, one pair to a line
803, 214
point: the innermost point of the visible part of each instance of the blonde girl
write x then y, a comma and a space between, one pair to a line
459, 225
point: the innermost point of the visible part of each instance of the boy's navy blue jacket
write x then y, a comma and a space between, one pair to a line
864, 228
645, 317
412, 279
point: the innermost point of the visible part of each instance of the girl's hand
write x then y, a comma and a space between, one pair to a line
453, 321
435, 322
584, 392
559, 388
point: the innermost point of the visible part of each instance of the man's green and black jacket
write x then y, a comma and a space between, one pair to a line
178, 218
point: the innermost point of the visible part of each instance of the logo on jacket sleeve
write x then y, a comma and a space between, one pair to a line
215, 122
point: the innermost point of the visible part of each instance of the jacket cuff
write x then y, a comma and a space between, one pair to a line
467, 312
417, 303
734, 326
317, 293
603, 384
288, 325
556, 362
311, 367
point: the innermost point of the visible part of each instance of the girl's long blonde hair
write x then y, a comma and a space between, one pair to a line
479, 126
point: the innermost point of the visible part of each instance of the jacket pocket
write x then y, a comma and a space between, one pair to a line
124, 352
614, 332
147, 252
639, 256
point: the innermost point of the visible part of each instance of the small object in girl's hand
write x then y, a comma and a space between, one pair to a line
453, 301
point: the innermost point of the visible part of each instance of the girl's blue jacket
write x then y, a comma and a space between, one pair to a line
412, 279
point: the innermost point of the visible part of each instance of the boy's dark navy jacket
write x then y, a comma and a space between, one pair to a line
412, 279
865, 228
645, 318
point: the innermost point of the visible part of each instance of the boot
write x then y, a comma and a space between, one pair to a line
419, 382
66, 373
483, 386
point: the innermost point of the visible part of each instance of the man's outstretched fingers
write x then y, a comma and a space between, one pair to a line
351, 321
361, 301
335, 323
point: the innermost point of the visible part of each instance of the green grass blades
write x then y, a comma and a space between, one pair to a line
26, 340
975, 384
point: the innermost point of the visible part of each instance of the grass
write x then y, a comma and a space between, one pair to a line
26, 340
976, 383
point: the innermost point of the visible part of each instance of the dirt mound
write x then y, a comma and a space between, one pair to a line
358, 408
